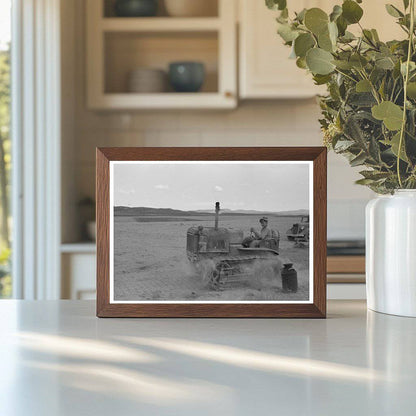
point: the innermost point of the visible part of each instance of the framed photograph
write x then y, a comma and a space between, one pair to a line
211, 232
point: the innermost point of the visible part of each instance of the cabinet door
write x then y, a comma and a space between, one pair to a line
78, 276
265, 68
376, 17
116, 46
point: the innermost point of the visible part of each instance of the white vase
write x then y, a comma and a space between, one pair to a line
391, 253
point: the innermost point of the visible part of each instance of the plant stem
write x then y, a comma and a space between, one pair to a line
346, 75
406, 80
373, 89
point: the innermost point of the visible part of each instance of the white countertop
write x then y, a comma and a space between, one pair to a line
58, 359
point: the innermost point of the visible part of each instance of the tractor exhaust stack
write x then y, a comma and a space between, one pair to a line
217, 211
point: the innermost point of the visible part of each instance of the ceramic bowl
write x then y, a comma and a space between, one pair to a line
186, 76
147, 80
135, 8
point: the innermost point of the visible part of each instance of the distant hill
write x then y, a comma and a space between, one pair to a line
296, 213
144, 211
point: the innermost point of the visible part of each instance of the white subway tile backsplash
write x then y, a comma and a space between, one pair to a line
174, 138
148, 120
286, 123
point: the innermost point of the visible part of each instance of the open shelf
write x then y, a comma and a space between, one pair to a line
108, 9
80, 247
127, 51
160, 24
116, 46
130, 101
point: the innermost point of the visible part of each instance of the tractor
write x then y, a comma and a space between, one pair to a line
299, 233
219, 255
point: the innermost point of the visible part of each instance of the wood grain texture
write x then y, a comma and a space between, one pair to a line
346, 264
317, 309
345, 278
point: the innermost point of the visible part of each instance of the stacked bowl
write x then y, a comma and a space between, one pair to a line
191, 8
147, 80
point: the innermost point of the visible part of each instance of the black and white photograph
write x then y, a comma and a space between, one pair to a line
200, 231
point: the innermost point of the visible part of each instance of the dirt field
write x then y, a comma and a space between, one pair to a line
150, 261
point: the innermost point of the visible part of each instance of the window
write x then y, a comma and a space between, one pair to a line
5, 144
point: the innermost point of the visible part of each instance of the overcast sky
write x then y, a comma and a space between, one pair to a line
262, 187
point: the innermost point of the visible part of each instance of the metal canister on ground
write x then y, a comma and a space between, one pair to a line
289, 278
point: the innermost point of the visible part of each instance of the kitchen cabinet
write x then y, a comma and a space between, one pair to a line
78, 264
118, 45
265, 70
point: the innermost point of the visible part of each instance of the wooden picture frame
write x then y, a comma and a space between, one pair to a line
315, 307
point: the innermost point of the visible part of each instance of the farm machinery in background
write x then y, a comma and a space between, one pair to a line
299, 232
220, 258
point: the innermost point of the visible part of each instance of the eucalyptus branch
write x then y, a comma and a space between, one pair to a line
398, 95
373, 89
364, 115
392, 90
406, 80
346, 75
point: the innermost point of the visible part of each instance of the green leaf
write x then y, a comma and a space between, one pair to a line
327, 40
381, 89
394, 144
385, 63
368, 36
374, 175
391, 114
412, 67
276, 4
301, 63
351, 11
361, 99
396, 71
284, 14
377, 75
316, 20
325, 43
358, 160
343, 145
342, 25
343, 65
336, 12
393, 11
354, 131
358, 61
333, 32
283, 17
286, 32
348, 37
363, 86
303, 43
375, 35
374, 150
364, 181
300, 17
319, 61
321, 79
411, 90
